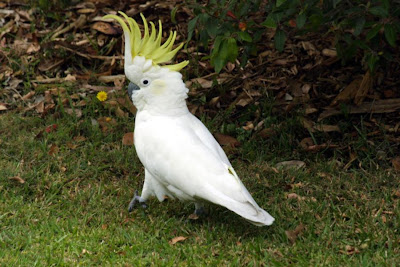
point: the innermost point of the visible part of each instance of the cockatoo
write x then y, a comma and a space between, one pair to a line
181, 157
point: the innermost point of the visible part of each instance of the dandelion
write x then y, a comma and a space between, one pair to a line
102, 96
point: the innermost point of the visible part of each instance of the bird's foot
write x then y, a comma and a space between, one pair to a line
200, 211
137, 199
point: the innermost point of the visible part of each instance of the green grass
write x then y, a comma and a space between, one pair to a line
72, 208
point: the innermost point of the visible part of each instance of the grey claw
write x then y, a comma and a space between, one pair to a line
136, 199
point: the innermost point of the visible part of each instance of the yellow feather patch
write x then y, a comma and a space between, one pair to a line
150, 45
158, 87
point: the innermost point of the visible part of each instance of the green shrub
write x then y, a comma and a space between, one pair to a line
236, 27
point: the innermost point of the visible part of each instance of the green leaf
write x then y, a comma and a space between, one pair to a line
360, 22
371, 60
192, 26
269, 22
212, 27
233, 49
385, 4
279, 39
173, 14
390, 34
245, 36
217, 43
219, 54
280, 2
218, 64
374, 31
379, 11
301, 20
225, 49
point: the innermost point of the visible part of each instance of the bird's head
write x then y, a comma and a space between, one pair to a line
152, 86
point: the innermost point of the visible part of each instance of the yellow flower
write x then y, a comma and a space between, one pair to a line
102, 96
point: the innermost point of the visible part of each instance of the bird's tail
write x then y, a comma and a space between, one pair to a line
250, 210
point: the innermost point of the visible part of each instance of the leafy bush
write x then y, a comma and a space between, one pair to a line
236, 27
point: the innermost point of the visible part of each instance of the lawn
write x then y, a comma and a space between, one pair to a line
65, 189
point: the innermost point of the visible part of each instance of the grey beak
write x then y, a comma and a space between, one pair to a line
132, 87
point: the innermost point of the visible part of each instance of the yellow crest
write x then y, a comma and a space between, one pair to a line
150, 45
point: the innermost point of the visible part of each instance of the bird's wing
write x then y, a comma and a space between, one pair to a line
171, 150
207, 138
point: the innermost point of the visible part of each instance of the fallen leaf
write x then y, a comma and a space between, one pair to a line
205, 84
17, 179
267, 133
365, 87
49, 64
28, 95
396, 163
120, 113
86, 10
106, 123
33, 48
310, 110
226, 140
294, 196
193, 216
77, 112
214, 101
297, 185
177, 239
348, 93
112, 78
297, 164
312, 126
48, 97
378, 106
329, 52
327, 128
105, 28
244, 102
249, 126
79, 138
3, 106
71, 145
40, 107
317, 148
53, 150
127, 139
349, 250
305, 143
70, 78
292, 235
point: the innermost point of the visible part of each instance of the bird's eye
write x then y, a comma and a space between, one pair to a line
145, 82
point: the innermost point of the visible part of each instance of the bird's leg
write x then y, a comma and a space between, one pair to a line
137, 199
199, 209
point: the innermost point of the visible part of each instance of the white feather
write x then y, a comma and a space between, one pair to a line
181, 157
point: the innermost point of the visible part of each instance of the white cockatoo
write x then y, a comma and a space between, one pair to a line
181, 157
